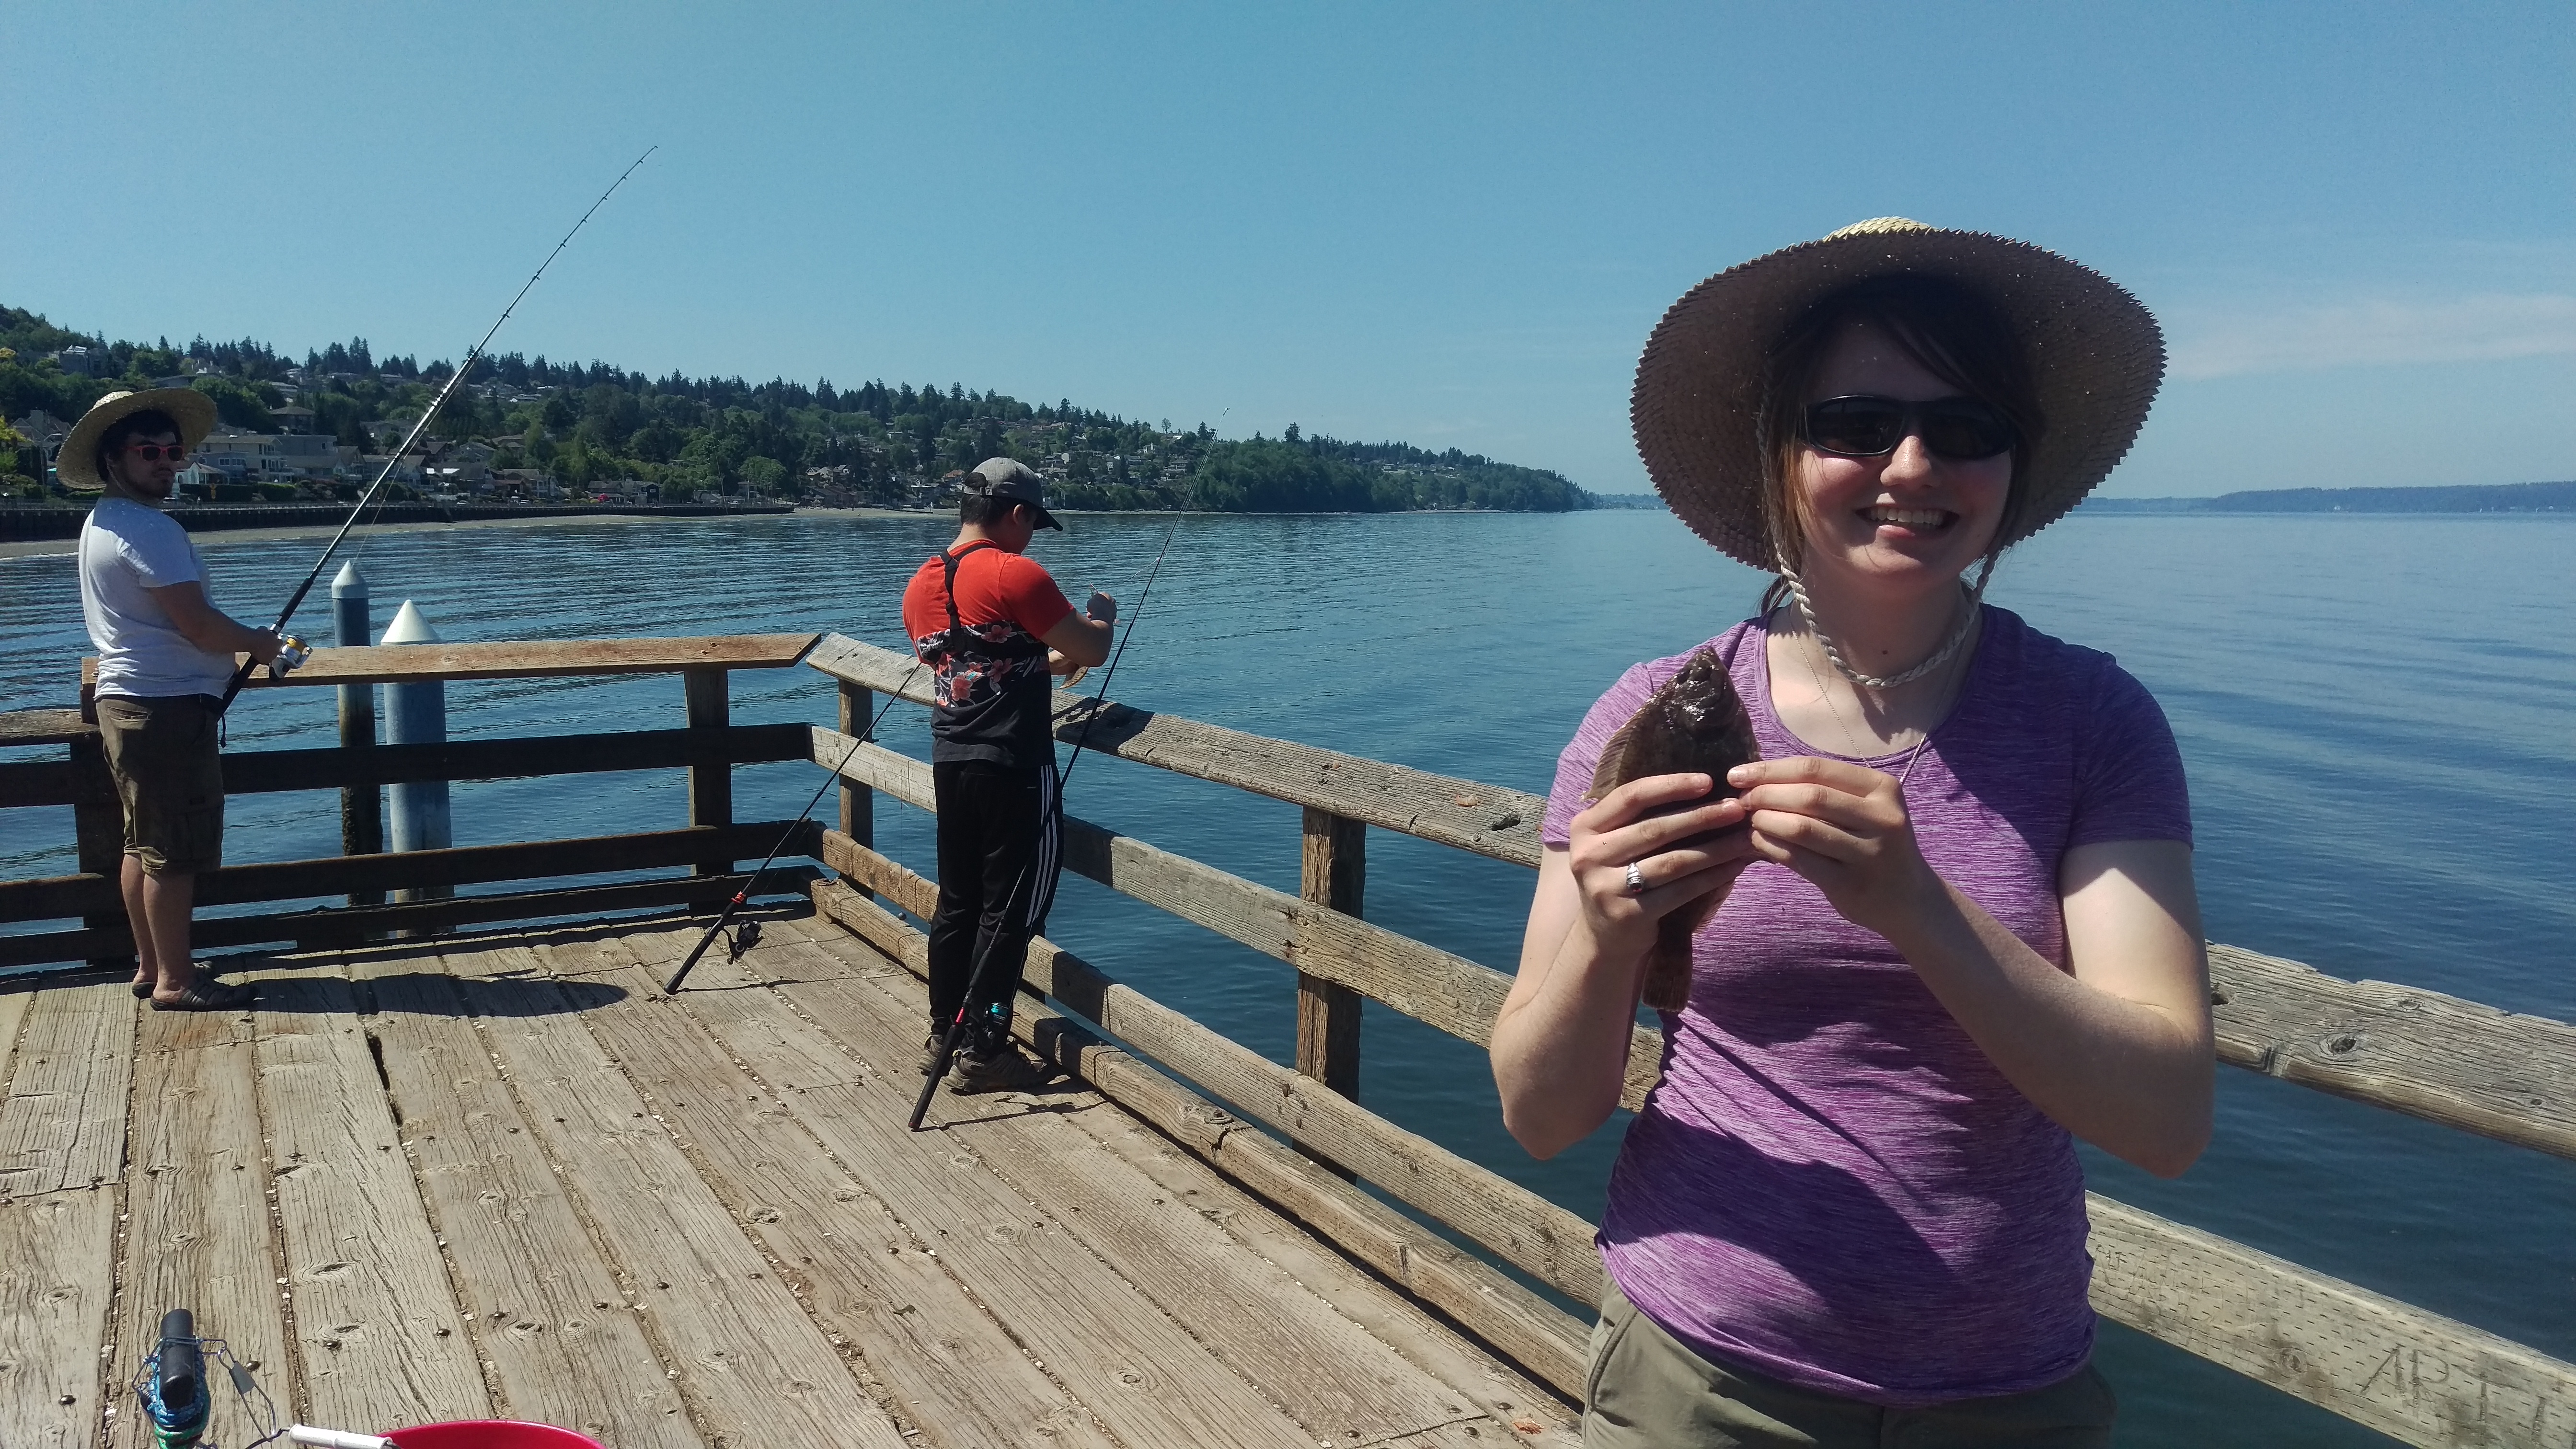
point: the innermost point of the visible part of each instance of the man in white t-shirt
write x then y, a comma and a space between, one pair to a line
165, 655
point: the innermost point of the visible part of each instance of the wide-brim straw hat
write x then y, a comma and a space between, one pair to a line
2096, 356
77, 462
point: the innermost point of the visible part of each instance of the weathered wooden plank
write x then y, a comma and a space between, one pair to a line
377, 1333
709, 695
1195, 1187
61, 1252
43, 727
1148, 1380
2418, 1377
332, 926
13, 1019
1487, 819
753, 1367
261, 772
52, 897
1302, 1353
2420, 1052
1446, 991
1524, 1229
63, 1123
554, 1324
198, 1234
1505, 1315
952, 1371
1333, 873
529, 659
858, 802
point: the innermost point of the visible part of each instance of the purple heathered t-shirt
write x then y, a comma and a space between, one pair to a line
1832, 1185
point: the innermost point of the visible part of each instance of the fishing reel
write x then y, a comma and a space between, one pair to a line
292, 653
743, 936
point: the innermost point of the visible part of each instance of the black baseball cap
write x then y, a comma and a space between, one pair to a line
1011, 480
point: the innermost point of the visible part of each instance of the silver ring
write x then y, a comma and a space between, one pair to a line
1636, 880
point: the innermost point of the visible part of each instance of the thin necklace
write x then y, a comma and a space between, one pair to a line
1849, 734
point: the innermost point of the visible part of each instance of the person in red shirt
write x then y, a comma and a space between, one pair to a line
992, 626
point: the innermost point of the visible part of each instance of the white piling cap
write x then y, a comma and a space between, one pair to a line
409, 627
349, 583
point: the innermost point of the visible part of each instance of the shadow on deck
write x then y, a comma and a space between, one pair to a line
503, 1175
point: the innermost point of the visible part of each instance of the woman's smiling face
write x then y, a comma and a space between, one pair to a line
1908, 520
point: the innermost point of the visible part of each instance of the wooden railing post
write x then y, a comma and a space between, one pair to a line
858, 802
1328, 1013
710, 784
98, 824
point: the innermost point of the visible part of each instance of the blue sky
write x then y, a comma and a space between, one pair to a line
1450, 224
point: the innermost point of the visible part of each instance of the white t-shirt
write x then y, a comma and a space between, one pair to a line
127, 548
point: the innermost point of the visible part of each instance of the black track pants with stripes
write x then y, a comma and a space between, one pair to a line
997, 866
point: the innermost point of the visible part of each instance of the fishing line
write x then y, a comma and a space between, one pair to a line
747, 935
984, 955
456, 379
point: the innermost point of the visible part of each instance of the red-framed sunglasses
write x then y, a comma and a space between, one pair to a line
155, 452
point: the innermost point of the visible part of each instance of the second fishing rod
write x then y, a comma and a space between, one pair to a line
988, 961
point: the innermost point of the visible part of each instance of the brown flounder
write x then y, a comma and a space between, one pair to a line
1694, 724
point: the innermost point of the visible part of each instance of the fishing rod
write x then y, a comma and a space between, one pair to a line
295, 652
984, 954
748, 935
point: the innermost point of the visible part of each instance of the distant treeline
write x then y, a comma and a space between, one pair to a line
2464, 498
874, 443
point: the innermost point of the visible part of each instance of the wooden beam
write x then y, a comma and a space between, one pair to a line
1487, 819
1525, 1230
1430, 985
710, 786
1333, 874
531, 659
2428, 1055
43, 727
2459, 1063
1508, 1317
2416, 1376
98, 840
858, 802
72, 895
261, 772
337, 926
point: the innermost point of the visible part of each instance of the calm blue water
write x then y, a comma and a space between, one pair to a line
2375, 711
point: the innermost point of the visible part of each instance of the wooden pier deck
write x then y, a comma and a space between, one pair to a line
503, 1175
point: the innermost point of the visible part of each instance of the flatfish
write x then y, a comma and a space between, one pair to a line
1695, 723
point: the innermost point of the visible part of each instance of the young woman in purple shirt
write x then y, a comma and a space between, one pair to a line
1956, 927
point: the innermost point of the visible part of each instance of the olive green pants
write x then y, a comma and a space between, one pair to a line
1645, 1388
168, 766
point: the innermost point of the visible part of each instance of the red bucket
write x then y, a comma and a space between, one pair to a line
491, 1434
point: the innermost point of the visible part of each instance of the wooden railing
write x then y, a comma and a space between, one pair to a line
2415, 1375
708, 747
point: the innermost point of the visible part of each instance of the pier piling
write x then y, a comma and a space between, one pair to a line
416, 714
362, 811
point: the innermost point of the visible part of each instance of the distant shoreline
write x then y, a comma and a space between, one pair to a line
2459, 499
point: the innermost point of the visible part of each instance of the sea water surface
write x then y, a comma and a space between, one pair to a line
2378, 715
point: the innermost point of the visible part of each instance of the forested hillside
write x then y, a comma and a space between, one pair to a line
876, 443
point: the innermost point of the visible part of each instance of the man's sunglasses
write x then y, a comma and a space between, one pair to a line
1958, 428
154, 452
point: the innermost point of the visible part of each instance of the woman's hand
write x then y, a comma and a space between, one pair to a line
1843, 827
1671, 852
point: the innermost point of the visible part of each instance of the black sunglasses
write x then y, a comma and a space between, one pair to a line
1958, 428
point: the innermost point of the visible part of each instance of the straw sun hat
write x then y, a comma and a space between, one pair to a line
2095, 354
77, 462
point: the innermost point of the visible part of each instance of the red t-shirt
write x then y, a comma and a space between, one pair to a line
990, 672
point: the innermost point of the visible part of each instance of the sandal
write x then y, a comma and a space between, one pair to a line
142, 989
207, 994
